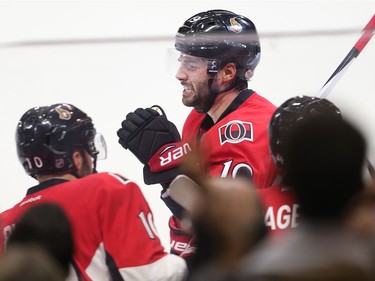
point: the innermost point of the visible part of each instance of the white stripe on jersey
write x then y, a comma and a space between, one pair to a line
120, 179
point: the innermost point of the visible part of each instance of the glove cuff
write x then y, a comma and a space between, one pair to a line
159, 177
182, 244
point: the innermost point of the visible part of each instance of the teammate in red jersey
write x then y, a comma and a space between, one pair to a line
112, 223
218, 52
280, 206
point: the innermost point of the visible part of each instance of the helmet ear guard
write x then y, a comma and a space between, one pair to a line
213, 66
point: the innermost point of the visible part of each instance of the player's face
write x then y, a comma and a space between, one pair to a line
192, 74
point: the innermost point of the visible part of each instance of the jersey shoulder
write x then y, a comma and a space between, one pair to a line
103, 180
261, 101
277, 193
194, 118
258, 104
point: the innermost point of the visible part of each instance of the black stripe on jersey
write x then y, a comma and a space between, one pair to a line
112, 267
44, 185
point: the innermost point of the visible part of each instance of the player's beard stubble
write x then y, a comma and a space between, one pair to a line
199, 97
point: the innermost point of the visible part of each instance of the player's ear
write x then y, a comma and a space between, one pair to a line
77, 159
229, 72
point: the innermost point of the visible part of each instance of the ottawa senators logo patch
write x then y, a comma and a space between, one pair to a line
64, 114
236, 131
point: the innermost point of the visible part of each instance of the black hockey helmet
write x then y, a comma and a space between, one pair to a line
47, 135
289, 114
222, 37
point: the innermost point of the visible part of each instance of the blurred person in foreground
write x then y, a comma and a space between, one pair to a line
45, 225
279, 203
29, 263
224, 214
112, 223
324, 164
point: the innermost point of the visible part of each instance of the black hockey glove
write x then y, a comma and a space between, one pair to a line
144, 132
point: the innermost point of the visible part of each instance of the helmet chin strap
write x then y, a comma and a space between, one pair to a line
214, 93
94, 171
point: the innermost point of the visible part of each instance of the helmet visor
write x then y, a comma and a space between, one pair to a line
100, 147
171, 61
176, 60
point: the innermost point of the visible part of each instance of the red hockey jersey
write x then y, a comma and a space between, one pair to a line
238, 141
112, 224
280, 207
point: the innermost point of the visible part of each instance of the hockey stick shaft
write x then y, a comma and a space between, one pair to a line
367, 33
